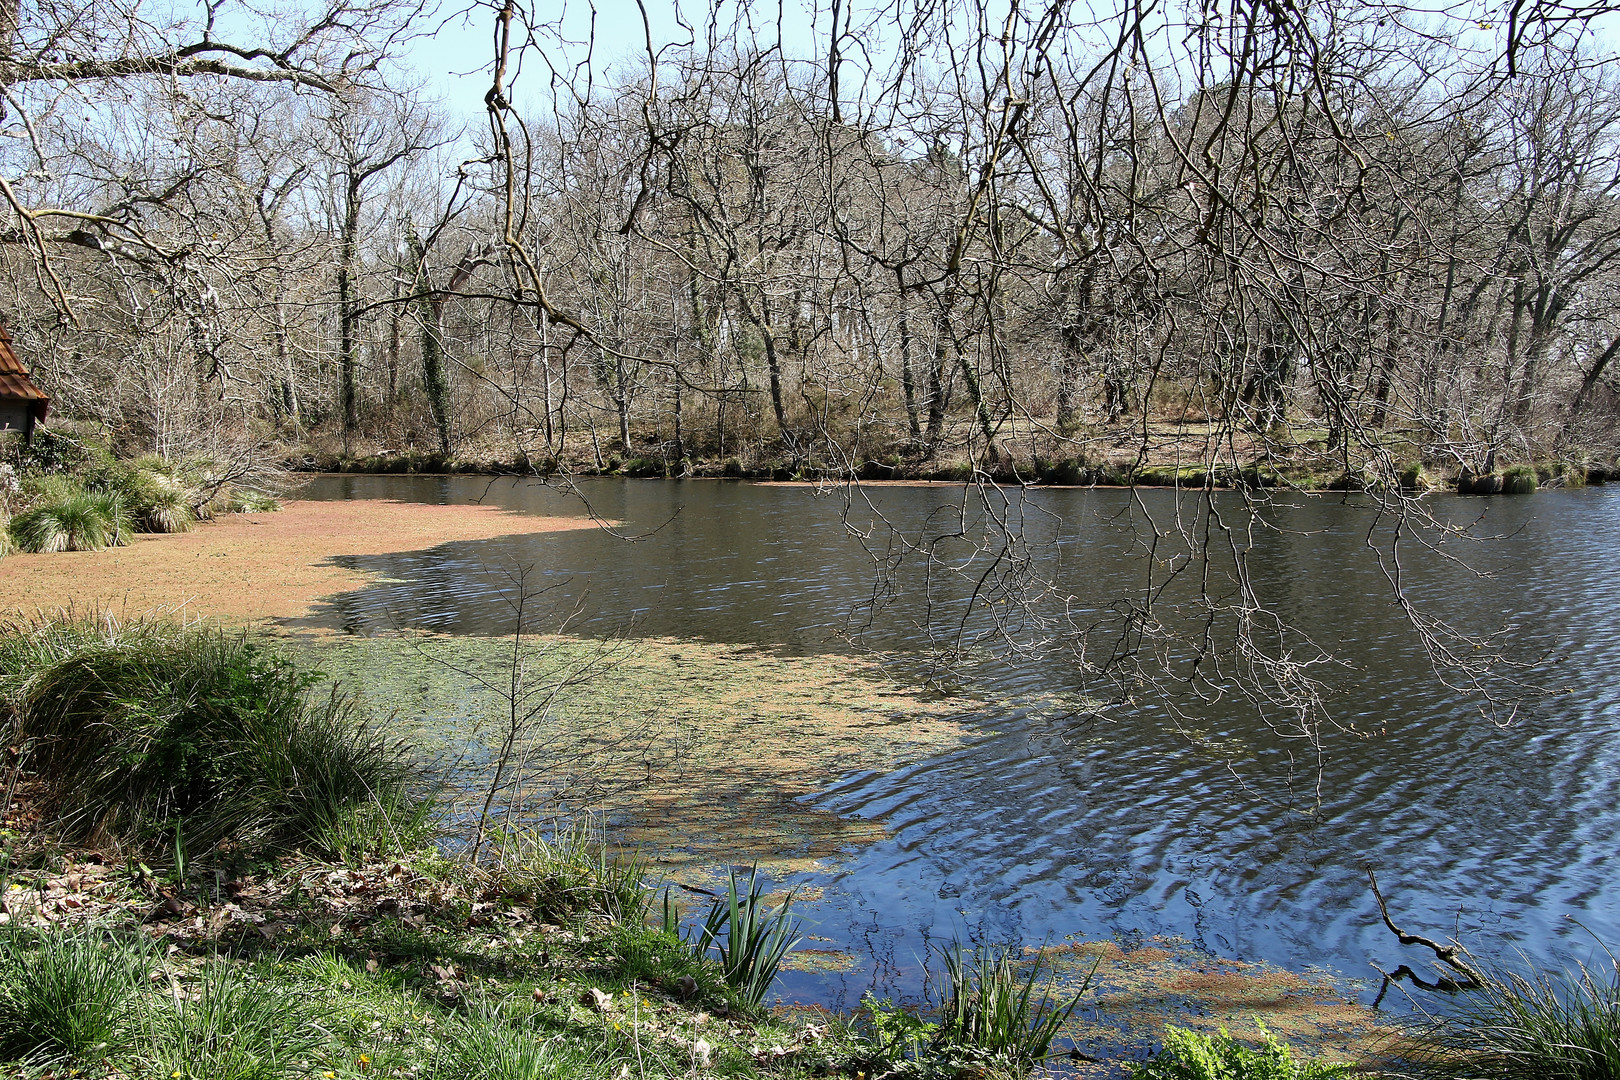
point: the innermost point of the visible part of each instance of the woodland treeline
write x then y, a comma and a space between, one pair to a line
907, 232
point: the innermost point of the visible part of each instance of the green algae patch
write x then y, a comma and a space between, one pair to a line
806, 958
697, 752
1139, 988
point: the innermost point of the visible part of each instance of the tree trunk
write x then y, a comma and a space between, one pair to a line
908, 378
347, 320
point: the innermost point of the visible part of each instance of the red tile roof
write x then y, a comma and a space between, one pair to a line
14, 381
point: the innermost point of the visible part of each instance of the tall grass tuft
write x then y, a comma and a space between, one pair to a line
1519, 480
140, 730
990, 1007
75, 521
751, 937
229, 1028
1542, 1026
486, 1045
568, 871
159, 504
66, 996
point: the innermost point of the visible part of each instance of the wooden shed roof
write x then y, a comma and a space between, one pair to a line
15, 385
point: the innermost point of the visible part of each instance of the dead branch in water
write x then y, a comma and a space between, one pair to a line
1451, 955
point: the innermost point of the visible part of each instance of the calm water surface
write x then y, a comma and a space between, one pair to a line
1240, 840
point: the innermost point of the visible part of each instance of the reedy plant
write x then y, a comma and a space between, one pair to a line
486, 1045
228, 1028
567, 871
77, 521
990, 1007
136, 727
1540, 1026
751, 937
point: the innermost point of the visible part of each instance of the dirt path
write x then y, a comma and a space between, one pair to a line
250, 567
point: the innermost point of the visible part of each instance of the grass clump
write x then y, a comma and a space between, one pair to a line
156, 735
66, 998
486, 1044
69, 518
158, 502
1192, 1055
1563, 1026
1519, 480
988, 1020
567, 872
227, 1028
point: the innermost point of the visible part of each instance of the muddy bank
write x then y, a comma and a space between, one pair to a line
249, 567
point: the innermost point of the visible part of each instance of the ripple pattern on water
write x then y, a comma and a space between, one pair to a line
1234, 835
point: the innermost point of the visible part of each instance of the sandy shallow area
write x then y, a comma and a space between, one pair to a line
250, 567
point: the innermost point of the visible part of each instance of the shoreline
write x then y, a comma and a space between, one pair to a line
1310, 478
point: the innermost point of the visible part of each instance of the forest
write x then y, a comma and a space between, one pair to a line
1349, 240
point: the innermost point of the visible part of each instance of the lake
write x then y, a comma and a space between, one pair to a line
1076, 813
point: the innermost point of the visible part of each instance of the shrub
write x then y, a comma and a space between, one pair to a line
1542, 1026
1414, 477
1190, 1055
66, 996
53, 451
137, 729
1068, 471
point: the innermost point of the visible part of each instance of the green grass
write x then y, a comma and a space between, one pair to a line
68, 518
144, 731
492, 1043
568, 871
226, 1025
1543, 1026
991, 1008
750, 937
1192, 1055
67, 998
1519, 480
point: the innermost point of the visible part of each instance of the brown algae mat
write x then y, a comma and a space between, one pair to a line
1139, 987
249, 567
